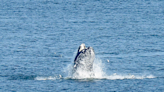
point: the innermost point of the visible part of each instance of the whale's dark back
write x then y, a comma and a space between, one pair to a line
84, 59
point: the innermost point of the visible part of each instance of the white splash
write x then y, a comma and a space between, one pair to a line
98, 71
98, 68
82, 74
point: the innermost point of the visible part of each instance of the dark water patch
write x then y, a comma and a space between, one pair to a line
114, 53
22, 77
57, 55
160, 77
152, 50
103, 36
162, 69
65, 89
65, 61
159, 35
106, 53
1, 75
117, 55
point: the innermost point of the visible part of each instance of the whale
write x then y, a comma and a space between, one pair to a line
84, 59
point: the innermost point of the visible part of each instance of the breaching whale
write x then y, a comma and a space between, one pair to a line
84, 59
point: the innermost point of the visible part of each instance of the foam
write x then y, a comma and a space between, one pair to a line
121, 77
48, 78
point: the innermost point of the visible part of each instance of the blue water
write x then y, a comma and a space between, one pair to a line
39, 39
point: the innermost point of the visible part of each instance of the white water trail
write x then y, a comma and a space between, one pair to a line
49, 78
121, 77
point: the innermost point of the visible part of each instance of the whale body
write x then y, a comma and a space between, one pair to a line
84, 59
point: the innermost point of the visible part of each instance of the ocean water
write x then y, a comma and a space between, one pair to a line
39, 40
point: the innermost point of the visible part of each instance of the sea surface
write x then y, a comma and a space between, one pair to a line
39, 40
